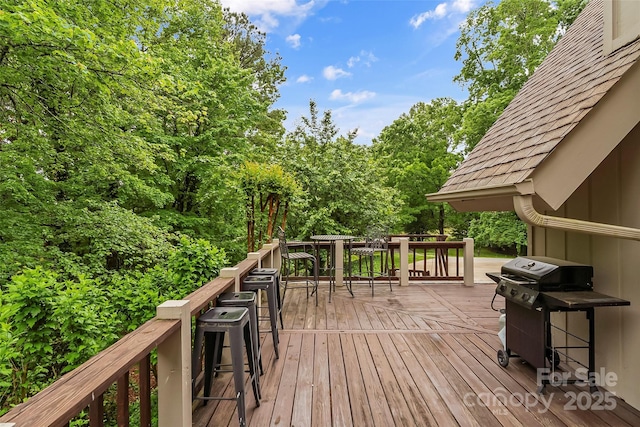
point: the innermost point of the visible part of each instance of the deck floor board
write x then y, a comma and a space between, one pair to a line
422, 355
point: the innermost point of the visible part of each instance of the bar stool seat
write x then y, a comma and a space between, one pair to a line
211, 327
276, 276
244, 299
268, 284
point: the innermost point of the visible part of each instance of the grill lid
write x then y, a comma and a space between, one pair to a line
550, 271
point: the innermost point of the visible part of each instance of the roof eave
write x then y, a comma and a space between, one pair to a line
498, 198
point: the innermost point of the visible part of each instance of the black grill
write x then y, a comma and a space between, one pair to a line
523, 279
533, 287
550, 274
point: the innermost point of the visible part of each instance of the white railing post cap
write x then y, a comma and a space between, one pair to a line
171, 309
229, 272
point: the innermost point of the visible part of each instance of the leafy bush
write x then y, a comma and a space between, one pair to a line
135, 297
194, 263
50, 324
500, 230
107, 237
49, 327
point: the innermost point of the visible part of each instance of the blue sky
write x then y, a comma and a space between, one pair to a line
368, 61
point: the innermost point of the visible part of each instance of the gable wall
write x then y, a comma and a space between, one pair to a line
611, 195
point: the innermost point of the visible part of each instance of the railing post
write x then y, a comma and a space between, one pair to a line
468, 262
339, 261
271, 246
404, 261
232, 272
276, 260
174, 367
256, 256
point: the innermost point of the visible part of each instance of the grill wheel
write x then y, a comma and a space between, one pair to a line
503, 358
553, 358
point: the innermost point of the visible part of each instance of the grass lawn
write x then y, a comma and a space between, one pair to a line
489, 253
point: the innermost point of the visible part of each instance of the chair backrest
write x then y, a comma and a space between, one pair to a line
282, 241
377, 238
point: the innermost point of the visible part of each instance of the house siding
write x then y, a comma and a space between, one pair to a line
610, 195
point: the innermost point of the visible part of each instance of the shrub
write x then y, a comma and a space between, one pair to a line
49, 327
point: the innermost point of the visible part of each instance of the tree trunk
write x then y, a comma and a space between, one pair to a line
284, 215
250, 225
271, 219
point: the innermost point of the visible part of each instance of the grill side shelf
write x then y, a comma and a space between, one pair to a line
581, 299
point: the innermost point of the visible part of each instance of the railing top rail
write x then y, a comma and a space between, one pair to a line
245, 266
413, 244
439, 237
202, 296
68, 396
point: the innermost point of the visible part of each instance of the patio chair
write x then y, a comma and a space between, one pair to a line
291, 258
376, 243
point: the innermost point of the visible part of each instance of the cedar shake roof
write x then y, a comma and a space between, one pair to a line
573, 78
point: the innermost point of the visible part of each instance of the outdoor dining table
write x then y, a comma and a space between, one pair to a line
331, 264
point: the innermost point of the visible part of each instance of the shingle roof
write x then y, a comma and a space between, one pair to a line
561, 92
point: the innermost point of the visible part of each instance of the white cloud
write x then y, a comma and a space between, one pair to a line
293, 40
366, 57
438, 13
267, 11
334, 73
259, 7
353, 97
463, 6
450, 9
267, 22
304, 79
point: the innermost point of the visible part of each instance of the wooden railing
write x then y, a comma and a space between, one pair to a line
83, 389
425, 259
169, 333
431, 260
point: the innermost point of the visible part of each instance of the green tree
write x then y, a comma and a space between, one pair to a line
499, 230
417, 152
214, 113
342, 187
112, 112
267, 189
72, 78
268, 73
500, 46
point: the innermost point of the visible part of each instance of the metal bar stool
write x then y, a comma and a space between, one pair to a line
248, 300
211, 328
268, 284
276, 275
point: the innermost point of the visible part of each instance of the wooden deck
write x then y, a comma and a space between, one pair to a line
421, 355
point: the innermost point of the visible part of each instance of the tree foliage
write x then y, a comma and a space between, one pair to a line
499, 230
50, 324
117, 119
417, 152
342, 188
500, 46
268, 191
